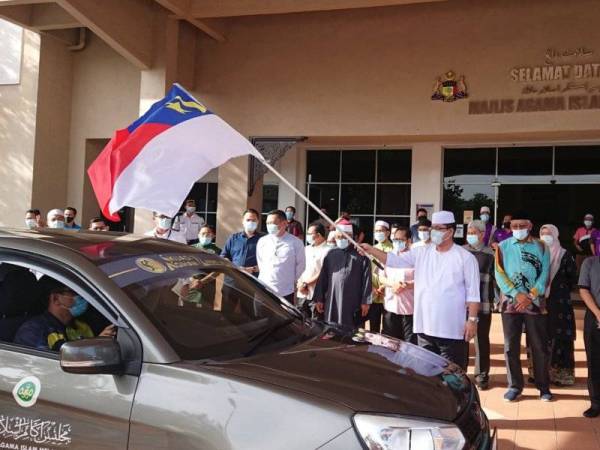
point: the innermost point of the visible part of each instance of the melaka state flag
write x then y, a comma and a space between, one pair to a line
155, 161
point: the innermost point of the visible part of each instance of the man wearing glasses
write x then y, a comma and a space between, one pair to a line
446, 290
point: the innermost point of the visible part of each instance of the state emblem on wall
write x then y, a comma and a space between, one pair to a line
449, 88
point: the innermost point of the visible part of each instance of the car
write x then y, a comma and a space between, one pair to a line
205, 357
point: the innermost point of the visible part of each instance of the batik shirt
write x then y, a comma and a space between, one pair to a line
522, 267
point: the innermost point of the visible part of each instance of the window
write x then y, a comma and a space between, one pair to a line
369, 184
206, 196
269, 203
11, 52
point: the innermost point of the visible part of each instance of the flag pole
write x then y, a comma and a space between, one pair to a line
317, 209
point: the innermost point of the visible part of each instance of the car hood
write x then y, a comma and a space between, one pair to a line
371, 373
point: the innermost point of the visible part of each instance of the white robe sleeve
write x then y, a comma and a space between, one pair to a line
472, 281
404, 260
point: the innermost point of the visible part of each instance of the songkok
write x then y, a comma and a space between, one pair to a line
442, 218
521, 215
55, 212
485, 209
478, 225
382, 223
345, 226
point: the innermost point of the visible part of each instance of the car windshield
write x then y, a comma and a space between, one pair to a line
205, 311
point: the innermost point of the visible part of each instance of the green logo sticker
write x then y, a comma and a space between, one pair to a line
26, 391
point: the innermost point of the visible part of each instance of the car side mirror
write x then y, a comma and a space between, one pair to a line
100, 355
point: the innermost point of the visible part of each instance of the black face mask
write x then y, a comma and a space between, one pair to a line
69, 219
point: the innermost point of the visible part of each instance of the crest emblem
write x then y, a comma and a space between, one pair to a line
150, 265
26, 391
449, 89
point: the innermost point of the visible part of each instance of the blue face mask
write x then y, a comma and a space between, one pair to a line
79, 306
472, 239
204, 240
399, 245
272, 228
342, 243
520, 235
310, 239
289, 215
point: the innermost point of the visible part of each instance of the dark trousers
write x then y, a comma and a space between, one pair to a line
399, 326
193, 241
482, 347
455, 350
591, 338
374, 317
537, 335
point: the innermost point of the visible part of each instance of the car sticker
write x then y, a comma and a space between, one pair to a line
150, 265
17, 432
26, 391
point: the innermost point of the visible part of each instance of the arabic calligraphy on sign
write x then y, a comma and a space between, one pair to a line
36, 431
580, 52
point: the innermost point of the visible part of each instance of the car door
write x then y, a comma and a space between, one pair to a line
42, 407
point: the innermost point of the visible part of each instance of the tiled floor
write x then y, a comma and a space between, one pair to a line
532, 424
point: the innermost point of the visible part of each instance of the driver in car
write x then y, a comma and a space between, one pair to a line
59, 324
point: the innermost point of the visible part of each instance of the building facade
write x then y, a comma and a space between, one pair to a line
372, 107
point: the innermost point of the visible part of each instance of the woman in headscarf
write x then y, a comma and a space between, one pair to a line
561, 320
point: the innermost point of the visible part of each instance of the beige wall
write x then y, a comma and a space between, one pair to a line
370, 72
17, 136
105, 97
50, 171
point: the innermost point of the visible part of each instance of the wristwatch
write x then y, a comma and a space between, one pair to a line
474, 319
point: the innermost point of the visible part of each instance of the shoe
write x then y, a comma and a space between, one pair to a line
594, 411
511, 395
546, 396
482, 385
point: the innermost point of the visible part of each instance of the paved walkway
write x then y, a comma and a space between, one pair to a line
532, 424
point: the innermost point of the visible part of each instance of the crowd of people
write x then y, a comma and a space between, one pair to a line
426, 289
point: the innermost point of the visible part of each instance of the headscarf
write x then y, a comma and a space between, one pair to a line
556, 253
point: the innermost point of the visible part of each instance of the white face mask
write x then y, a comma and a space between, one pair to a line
399, 246
485, 217
379, 236
31, 223
250, 226
164, 223
588, 223
272, 228
423, 235
342, 243
190, 209
437, 237
204, 240
520, 235
548, 239
58, 224
309, 239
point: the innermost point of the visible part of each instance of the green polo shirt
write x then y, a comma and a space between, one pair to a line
386, 247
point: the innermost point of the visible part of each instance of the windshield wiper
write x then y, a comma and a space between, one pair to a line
262, 336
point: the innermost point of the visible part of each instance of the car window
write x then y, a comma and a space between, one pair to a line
205, 312
38, 311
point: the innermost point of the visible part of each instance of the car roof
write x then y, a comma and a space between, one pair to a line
97, 246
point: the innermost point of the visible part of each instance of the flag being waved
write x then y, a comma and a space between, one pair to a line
155, 161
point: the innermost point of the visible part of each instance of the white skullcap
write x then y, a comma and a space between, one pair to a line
346, 228
442, 217
55, 212
382, 223
485, 208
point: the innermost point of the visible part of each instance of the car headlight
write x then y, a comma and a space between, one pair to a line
400, 433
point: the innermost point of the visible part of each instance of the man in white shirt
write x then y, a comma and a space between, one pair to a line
423, 233
163, 230
190, 222
446, 287
280, 257
315, 253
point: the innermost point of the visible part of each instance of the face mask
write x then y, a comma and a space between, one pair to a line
485, 217
399, 246
437, 237
520, 235
69, 219
548, 239
164, 223
342, 243
31, 223
379, 236
58, 224
588, 223
250, 226
272, 228
205, 240
190, 209
79, 307
423, 235
310, 240
473, 240
289, 215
